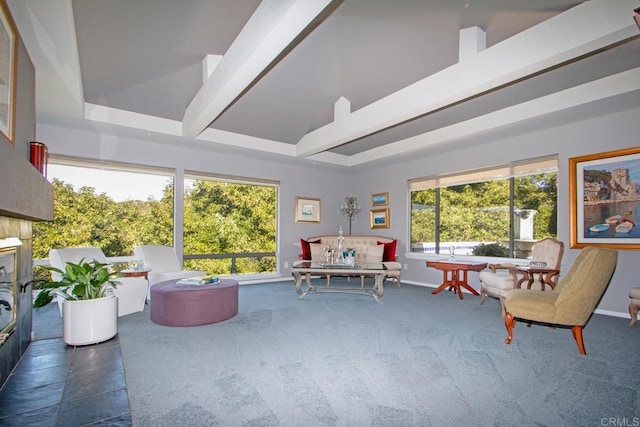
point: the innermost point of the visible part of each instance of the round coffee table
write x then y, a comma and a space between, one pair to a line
192, 305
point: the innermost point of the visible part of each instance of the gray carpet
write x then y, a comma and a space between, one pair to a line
344, 360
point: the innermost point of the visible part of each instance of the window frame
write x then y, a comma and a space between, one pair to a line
115, 166
510, 171
179, 176
233, 179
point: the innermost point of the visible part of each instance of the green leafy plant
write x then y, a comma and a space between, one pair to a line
492, 249
81, 281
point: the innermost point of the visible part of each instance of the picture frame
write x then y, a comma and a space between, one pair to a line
8, 65
307, 209
604, 210
380, 199
380, 218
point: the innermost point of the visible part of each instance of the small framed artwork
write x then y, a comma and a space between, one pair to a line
380, 199
605, 199
8, 56
380, 218
307, 209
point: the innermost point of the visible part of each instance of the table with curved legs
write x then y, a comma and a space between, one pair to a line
306, 269
458, 271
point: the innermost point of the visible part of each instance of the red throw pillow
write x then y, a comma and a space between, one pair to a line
389, 253
306, 249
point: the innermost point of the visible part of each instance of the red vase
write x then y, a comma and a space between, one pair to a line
39, 157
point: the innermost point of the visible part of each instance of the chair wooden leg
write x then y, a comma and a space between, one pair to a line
509, 323
633, 311
576, 330
362, 281
483, 295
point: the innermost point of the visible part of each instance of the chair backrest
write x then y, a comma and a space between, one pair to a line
584, 284
59, 258
548, 250
160, 259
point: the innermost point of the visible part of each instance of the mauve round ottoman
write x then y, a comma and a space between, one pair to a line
191, 305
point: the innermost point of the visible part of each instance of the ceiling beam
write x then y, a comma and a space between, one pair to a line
275, 27
601, 90
584, 29
49, 34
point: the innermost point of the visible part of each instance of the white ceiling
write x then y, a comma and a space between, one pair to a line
135, 68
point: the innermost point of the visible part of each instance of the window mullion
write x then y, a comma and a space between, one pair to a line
437, 220
512, 191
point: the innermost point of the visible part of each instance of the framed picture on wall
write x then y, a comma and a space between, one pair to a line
8, 60
605, 205
380, 199
380, 218
307, 209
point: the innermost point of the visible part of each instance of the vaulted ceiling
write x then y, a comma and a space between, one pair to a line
343, 82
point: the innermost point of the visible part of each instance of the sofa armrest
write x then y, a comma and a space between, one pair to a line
392, 265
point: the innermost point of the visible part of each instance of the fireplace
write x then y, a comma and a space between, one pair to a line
25, 196
8, 292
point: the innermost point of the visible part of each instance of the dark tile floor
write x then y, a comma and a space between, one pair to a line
58, 385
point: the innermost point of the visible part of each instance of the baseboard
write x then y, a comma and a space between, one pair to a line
610, 313
624, 315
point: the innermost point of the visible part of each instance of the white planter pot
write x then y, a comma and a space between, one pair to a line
90, 321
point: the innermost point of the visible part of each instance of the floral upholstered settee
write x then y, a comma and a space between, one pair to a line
369, 249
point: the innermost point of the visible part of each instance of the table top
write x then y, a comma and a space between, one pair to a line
173, 286
528, 269
320, 266
456, 265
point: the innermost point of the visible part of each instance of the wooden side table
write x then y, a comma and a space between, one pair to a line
546, 276
455, 268
135, 273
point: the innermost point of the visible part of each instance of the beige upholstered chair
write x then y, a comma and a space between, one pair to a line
572, 301
131, 292
503, 277
164, 264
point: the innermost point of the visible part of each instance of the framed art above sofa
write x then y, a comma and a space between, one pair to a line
380, 218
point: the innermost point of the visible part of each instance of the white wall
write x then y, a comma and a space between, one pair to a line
612, 132
615, 131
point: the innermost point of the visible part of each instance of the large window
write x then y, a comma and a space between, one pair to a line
112, 206
230, 225
499, 211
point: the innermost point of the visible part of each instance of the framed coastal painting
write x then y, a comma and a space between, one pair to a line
605, 206
380, 199
8, 56
380, 218
307, 209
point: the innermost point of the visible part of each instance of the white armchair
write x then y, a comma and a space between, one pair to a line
163, 263
504, 277
131, 292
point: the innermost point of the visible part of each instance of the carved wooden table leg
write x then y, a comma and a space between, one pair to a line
633, 311
634, 295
